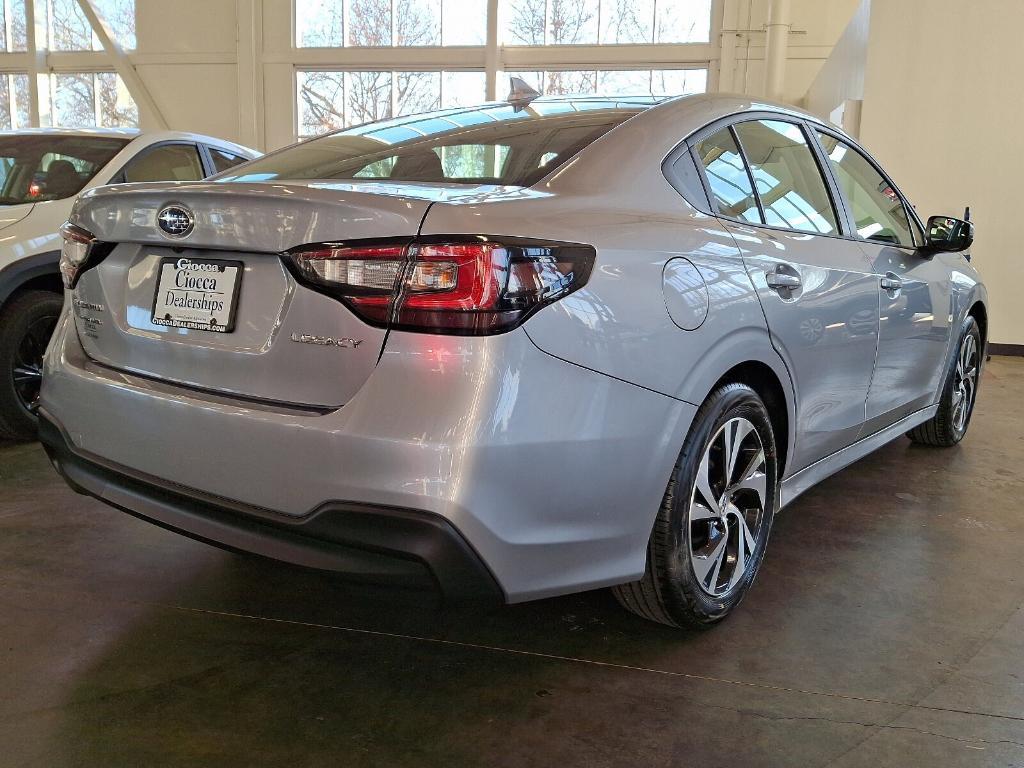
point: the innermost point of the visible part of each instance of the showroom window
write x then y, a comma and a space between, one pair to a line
621, 82
556, 46
82, 99
72, 94
14, 104
68, 29
336, 23
12, 26
591, 22
332, 100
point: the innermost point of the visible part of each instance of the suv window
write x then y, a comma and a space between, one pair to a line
223, 161
34, 168
170, 162
877, 208
787, 177
731, 192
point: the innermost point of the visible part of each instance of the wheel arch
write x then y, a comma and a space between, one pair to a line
764, 380
41, 271
980, 314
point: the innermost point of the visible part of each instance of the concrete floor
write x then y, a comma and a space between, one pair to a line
886, 629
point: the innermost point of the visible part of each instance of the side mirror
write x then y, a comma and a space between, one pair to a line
948, 234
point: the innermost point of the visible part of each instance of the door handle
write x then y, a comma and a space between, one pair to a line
782, 280
891, 283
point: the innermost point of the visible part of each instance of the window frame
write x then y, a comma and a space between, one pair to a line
810, 127
916, 226
838, 211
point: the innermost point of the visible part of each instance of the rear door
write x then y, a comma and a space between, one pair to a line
914, 290
816, 288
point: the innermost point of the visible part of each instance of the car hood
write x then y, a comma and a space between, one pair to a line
12, 214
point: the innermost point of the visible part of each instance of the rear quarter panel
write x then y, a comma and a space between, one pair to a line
619, 324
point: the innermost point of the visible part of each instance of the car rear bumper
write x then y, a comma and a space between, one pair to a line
358, 539
551, 473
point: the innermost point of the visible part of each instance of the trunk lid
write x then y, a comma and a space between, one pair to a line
289, 343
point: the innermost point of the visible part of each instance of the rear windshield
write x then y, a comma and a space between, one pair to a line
37, 168
493, 144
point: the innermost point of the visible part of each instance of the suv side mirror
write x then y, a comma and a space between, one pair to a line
948, 234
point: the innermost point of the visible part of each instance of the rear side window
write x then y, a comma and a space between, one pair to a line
493, 144
224, 161
170, 162
788, 180
731, 192
877, 208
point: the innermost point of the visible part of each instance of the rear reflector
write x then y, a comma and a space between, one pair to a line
458, 285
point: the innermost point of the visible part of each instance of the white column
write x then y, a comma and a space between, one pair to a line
491, 51
250, 73
38, 79
777, 49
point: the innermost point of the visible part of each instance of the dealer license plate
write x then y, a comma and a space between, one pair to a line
197, 293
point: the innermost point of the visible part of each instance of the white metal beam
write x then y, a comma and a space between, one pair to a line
491, 51
34, 30
250, 73
123, 67
625, 56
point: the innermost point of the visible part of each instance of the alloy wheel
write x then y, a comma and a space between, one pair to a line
27, 371
727, 507
965, 382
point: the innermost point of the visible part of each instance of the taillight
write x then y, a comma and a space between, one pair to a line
469, 286
74, 253
365, 276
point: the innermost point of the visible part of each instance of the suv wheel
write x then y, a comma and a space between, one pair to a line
26, 325
959, 392
711, 531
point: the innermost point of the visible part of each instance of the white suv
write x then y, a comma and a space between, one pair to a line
42, 172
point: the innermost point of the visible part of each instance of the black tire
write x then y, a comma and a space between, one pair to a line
26, 324
669, 592
943, 430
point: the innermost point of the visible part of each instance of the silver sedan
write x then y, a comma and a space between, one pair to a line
525, 349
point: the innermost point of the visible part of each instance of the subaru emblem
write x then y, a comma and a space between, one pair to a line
175, 221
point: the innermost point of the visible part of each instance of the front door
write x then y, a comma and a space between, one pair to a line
825, 328
913, 289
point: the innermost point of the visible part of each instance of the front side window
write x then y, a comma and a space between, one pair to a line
788, 181
495, 144
727, 177
876, 207
38, 168
171, 162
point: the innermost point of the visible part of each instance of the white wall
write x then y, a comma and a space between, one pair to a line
187, 60
841, 77
942, 111
817, 24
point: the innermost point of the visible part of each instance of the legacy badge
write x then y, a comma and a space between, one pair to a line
326, 341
